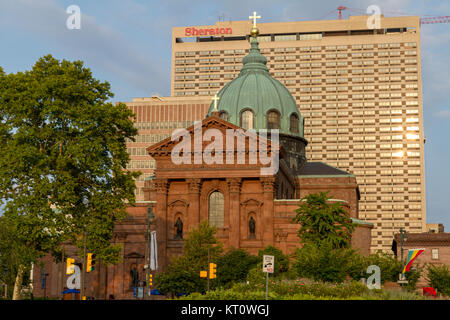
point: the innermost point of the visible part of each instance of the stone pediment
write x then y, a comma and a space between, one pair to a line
202, 135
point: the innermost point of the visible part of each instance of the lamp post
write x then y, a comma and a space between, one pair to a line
403, 237
150, 217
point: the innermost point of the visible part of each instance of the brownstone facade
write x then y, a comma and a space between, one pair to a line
184, 191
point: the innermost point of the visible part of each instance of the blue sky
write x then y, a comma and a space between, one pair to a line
127, 43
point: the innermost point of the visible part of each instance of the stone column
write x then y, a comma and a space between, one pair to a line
268, 186
161, 221
234, 187
193, 218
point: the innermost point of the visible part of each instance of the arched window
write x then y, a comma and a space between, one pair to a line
223, 115
294, 123
216, 209
273, 120
247, 119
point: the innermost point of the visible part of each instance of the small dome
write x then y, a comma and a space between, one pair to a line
255, 90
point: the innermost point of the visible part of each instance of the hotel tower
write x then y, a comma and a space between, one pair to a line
359, 89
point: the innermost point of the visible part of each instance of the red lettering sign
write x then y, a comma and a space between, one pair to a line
207, 31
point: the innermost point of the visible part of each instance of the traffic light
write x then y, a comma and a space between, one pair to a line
70, 262
212, 270
203, 274
149, 279
90, 265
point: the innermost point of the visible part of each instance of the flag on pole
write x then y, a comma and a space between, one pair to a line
412, 255
153, 251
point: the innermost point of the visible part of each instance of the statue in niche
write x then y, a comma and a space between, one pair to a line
251, 228
179, 229
134, 273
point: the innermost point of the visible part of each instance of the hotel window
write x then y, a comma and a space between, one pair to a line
216, 209
289, 37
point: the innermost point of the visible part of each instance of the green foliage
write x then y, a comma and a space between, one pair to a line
438, 277
325, 263
234, 266
63, 159
281, 260
303, 290
183, 274
390, 267
322, 221
413, 276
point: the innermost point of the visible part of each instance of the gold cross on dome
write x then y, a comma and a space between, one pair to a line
215, 99
254, 17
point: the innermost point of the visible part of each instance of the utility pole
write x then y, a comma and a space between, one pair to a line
150, 217
83, 274
403, 236
207, 270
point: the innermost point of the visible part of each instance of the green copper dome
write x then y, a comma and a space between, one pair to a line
267, 98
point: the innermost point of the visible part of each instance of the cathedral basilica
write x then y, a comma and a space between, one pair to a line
228, 186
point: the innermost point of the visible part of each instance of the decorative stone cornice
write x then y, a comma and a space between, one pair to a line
268, 184
194, 185
234, 184
161, 185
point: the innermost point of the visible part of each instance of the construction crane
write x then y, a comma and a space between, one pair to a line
423, 20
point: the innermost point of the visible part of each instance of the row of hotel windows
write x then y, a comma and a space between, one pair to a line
317, 57
381, 112
367, 138
162, 125
361, 121
361, 129
358, 105
303, 80
303, 49
391, 189
301, 73
371, 164
370, 96
141, 164
312, 89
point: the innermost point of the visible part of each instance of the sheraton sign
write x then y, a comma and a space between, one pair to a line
207, 31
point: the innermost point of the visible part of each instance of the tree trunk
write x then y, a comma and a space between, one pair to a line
18, 283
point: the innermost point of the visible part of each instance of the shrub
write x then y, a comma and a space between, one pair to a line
438, 277
234, 266
325, 263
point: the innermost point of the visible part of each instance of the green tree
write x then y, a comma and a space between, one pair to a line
323, 262
389, 265
183, 273
322, 221
62, 161
234, 266
438, 277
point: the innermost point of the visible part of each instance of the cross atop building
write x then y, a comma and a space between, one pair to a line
254, 17
215, 99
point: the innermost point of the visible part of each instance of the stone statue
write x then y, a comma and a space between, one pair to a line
179, 226
134, 277
251, 228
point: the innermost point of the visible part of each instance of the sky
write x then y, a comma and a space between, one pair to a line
128, 44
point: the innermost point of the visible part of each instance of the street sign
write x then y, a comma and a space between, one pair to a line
268, 263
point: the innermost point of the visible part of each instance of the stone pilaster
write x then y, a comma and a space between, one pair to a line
234, 187
268, 186
194, 187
